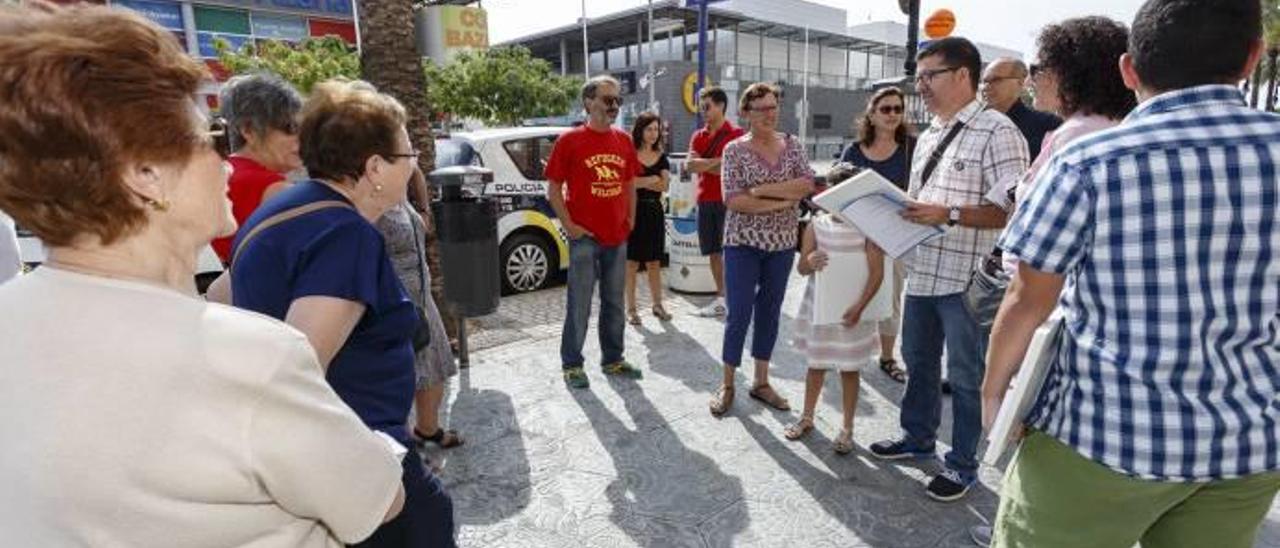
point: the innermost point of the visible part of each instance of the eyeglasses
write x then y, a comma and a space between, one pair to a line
411, 154
994, 79
218, 137
890, 109
927, 76
610, 100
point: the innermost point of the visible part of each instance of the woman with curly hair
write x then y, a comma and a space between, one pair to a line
1077, 78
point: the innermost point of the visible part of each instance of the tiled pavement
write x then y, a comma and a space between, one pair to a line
642, 463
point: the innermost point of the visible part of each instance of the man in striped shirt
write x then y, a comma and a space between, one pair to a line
1160, 421
949, 182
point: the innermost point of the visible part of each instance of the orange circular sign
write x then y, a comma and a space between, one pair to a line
940, 24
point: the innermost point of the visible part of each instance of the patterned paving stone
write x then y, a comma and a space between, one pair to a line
642, 463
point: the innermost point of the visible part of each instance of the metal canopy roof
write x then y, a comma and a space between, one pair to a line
619, 29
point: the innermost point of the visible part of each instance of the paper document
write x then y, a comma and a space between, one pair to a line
1024, 389
874, 205
840, 285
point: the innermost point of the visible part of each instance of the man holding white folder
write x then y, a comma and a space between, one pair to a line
1159, 422
965, 152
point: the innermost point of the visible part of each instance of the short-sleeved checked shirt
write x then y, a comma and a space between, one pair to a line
989, 152
1165, 228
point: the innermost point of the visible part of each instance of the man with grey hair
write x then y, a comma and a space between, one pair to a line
1002, 85
590, 186
261, 111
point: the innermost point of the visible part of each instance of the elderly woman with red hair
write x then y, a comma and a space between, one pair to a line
135, 412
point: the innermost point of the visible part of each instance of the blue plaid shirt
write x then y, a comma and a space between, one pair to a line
1165, 228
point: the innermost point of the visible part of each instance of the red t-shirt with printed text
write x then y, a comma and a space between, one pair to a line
597, 169
248, 181
709, 182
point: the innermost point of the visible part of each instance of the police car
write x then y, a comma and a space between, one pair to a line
33, 253
532, 247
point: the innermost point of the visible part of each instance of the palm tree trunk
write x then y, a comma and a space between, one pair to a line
389, 59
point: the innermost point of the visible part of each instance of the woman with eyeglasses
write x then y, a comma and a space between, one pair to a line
313, 257
135, 412
885, 142
261, 114
765, 175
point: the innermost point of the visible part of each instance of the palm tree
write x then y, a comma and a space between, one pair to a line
389, 60
1271, 33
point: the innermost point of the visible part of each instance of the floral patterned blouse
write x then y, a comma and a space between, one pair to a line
743, 168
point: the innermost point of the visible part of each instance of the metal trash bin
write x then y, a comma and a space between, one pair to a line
467, 237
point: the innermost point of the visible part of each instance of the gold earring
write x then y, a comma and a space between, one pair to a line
160, 205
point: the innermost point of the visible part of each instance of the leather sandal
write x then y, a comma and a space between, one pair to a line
800, 428
770, 397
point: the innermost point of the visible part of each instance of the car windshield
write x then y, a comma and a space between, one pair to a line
454, 152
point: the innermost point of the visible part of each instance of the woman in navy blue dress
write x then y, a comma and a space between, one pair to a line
885, 143
311, 256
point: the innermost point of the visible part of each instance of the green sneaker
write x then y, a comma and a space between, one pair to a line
575, 377
623, 369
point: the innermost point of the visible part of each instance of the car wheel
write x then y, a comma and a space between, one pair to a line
527, 263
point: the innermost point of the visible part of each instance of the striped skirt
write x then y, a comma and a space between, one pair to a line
834, 346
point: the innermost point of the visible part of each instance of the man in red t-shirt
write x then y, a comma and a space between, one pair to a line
705, 149
590, 175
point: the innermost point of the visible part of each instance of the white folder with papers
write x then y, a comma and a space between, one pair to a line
840, 285
874, 205
1024, 388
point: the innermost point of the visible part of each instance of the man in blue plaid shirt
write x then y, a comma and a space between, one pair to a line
1160, 421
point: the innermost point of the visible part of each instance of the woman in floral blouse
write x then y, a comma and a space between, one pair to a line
765, 175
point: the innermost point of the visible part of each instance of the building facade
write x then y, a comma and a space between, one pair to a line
803, 47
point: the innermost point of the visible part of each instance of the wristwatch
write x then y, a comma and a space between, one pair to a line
953, 218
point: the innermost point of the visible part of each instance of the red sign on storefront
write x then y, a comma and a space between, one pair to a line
342, 29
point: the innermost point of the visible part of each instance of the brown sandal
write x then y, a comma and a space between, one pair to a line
661, 313
770, 397
722, 401
843, 444
633, 317
800, 428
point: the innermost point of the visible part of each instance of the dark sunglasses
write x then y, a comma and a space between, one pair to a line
610, 100
890, 109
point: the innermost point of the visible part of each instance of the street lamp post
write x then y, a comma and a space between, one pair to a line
586, 51
653, 76
702, 58
913, 36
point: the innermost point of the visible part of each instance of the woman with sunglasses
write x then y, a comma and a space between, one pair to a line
137, 413
312, 256
261, 113
884, 144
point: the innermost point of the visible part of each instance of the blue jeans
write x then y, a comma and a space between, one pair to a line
590, 262
928, 323
755, 281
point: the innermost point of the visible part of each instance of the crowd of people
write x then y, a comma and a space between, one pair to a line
1134, 201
